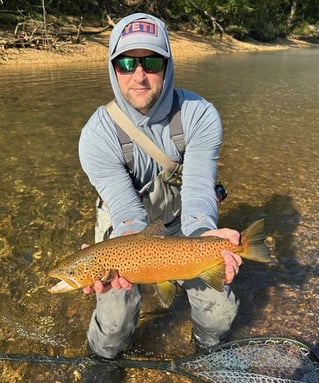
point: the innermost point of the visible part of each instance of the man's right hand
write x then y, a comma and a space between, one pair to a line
117, 283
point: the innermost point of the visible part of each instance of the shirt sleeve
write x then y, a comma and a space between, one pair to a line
203, 138
102, 160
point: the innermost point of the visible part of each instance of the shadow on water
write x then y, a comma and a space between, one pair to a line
258, 285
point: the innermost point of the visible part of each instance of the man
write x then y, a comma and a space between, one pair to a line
142, 76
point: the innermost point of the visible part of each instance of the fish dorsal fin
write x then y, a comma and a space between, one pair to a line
166, 293
155, 229
215, 277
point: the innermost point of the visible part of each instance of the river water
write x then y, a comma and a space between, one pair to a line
269, 104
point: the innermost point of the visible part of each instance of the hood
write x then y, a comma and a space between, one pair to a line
150, 33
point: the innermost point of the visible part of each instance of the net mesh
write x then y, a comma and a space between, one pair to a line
262, 361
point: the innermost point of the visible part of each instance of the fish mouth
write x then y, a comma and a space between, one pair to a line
65, 284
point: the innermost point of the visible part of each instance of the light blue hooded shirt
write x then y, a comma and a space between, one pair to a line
102, 157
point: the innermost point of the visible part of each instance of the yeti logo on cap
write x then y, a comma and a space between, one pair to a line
143, 27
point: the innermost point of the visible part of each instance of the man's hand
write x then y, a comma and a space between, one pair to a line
232, 261
117, 283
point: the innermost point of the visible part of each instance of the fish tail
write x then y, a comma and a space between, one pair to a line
256, 250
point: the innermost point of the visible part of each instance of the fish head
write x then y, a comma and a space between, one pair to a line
72, 275
79, 270
69, 279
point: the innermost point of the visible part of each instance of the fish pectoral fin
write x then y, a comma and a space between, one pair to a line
166, 293
110, 276
215, 277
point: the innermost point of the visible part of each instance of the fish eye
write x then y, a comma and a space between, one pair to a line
71, 272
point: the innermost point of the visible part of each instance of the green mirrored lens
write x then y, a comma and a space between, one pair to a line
153, 63
126, 64
150, 64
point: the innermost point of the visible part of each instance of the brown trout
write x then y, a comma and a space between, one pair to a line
152, 256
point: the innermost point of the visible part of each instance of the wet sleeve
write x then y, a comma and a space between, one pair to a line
102, 160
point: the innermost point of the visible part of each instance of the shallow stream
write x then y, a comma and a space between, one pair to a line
269, 104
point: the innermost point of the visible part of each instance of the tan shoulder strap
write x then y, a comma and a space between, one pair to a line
120, 118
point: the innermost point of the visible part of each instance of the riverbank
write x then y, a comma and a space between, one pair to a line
184, 44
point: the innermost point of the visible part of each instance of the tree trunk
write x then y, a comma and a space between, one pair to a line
292, 13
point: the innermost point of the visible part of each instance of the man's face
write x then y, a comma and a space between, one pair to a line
140, 89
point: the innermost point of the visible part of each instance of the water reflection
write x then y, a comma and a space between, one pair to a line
270, 107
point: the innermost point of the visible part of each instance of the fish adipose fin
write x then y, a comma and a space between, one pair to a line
166, 293
256, 249
215, 277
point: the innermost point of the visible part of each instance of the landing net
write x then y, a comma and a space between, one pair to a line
277, 360
254, 360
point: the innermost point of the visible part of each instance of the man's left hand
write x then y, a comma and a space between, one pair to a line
232, 260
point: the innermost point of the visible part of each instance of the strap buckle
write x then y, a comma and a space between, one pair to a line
175, 177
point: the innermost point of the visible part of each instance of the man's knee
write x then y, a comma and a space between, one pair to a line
114, 321
212, 312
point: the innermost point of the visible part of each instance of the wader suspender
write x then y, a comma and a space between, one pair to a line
128, 131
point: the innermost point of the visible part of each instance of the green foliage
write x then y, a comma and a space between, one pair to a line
8, 19
239, 32
263, 19
307, 30
308, 11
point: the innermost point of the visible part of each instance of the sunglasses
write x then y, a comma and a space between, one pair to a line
150, 64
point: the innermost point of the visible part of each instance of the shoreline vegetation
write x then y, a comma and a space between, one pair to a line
184, 44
